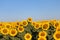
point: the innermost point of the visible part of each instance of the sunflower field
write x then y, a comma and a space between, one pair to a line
30, 30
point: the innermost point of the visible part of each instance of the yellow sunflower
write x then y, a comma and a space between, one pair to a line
24, 23
33, 23
42, 34
29, 19
56, 35
5, 31
45, 26
58, 29
27, 36
56, 24
37, 26
13, 32
42, 38
20, 29
8, 25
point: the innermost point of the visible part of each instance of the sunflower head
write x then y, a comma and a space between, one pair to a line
20, 29
27, 36
24, 23
29, 19
37, 26
42, 34
13, 32
56, 24
56, 35
8, 25
45, 26
33, 23
5, 31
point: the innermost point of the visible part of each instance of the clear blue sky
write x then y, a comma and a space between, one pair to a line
11, 10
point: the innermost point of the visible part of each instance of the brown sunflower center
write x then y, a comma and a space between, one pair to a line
57, 35
45, 26
20, 29
13, 32
5, 31
27, 36
24, 23
42, 34
56, 24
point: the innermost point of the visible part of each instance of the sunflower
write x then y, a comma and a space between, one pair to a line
56, 35
27, 36
56, 24
45, 26
42, 38
5, 31
13, 32
24, 23
8, 25
58, 29
29, 19
37, 26
33, 23
20, 29
42, 34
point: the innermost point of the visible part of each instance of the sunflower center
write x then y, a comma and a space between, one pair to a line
5, 31
27, 36
33, 23
57, 35
13, 32
20, 29
0, 24
29, 19
24, 23
45, 26
56, 24
8, 26
17, 23
42, 34
37, 26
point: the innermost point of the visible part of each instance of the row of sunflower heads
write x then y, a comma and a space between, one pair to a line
21, 28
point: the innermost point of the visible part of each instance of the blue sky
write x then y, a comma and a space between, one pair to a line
12, 10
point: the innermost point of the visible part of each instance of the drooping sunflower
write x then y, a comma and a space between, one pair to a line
5, 31
42, 38
24, 23
20, 29
13, 32
56, 35
29, 19
27, 36
42, 34
37, 26
45, 26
